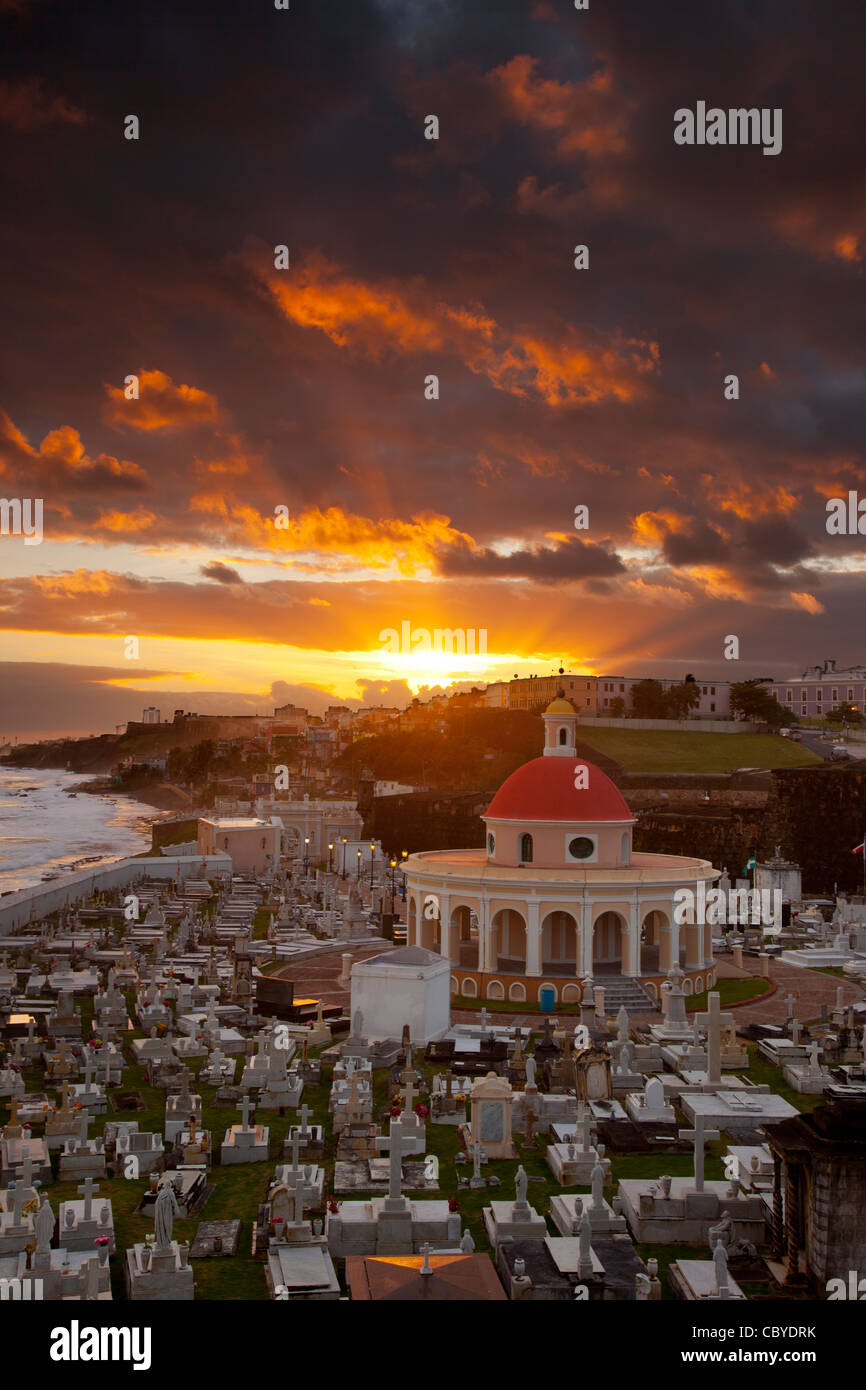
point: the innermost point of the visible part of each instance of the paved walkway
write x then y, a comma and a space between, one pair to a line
318, 978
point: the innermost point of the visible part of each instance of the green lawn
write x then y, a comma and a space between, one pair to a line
508, 1006
732, 992
656, 750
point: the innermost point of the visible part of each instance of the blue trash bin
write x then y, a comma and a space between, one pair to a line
547, 999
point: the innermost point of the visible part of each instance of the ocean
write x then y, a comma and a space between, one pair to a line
44, 828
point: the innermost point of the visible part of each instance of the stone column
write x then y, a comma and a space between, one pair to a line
533, 938
587, 913
445, 925
694, 954
484, 935
631, 953
666, 940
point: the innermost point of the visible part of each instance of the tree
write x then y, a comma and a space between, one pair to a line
682, 698
617, 707
844, 711
648, 700
749, 701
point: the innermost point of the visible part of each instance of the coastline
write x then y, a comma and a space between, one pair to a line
162, 796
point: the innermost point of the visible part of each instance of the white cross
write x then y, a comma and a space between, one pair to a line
304, 1112
87, 1189
700, 1136
408, 1078
400, 1141
714, 1021
245, 1111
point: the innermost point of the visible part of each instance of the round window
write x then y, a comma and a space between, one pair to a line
491, 844
581, 847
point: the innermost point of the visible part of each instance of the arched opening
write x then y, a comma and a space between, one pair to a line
518, 992
470, 988
526, 849
495, 990
547, 985
454, 985
559, 944
563, 737
607, 941
571, 994
508, 942
429, 926
464, 937
651, 942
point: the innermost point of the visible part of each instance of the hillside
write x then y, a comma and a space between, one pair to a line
642, 750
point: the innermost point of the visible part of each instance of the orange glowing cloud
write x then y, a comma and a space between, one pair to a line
808, 603
62, 456
750, 500
588, 116
408, 546
651, 528
161, 405
129, 522
578, 368
26, 107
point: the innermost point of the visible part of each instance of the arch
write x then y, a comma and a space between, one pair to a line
608, 932
508, 941
470, 988
463, 937
571, 994
559, 943
495, 990
455, 988
525, 852
429, 928
699, 984
547, 984
687, 985
563, 737
651, 938
517, 991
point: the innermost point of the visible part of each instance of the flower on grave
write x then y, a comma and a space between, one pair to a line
453, 1204
421, 1111
14, 1067
278, 1221
459, 1097
101, 1240
333, 1204
395, 1110
30, 1206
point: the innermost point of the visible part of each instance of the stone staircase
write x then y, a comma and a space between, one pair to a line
622, 990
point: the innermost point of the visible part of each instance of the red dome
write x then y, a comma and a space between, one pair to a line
544, 790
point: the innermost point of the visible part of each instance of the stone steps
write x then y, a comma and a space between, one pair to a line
623, 991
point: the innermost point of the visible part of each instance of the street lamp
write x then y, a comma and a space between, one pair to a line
359, 865
372, 857
330, 856
405, 854
345, 842
306, 852
393, 867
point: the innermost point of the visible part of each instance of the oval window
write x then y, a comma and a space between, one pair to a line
581, 847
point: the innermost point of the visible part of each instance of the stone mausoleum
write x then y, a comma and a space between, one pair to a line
558, 896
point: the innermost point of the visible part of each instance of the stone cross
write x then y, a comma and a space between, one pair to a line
700, 1135
245, 1111
18, 1194
408, 1078
583, 1126
88, 1073
584, 1255
399, 1142
791, 1005
485, 1018
304, 1112
476, 1158
796, 1029
425, 1250
296, 1144
26, 1166
87, 1189
714, 1021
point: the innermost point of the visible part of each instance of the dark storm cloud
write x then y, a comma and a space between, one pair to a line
223, 574
572, 559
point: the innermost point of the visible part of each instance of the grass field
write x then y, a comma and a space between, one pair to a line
732, 991
656, 750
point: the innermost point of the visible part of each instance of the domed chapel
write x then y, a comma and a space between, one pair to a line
557, 897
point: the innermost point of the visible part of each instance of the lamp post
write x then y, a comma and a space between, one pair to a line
330, 856
393, 867
372, 858
405, 855
306, 853
359, 866
345, 842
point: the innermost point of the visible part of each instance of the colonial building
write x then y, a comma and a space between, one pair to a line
558, 896
821, 689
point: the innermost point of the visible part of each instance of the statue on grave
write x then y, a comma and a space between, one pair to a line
520, 1183
165, 1210
44, 1225
530, 1070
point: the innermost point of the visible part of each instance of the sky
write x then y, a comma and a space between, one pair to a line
290, 484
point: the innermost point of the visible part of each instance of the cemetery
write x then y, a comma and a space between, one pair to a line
163, 1138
